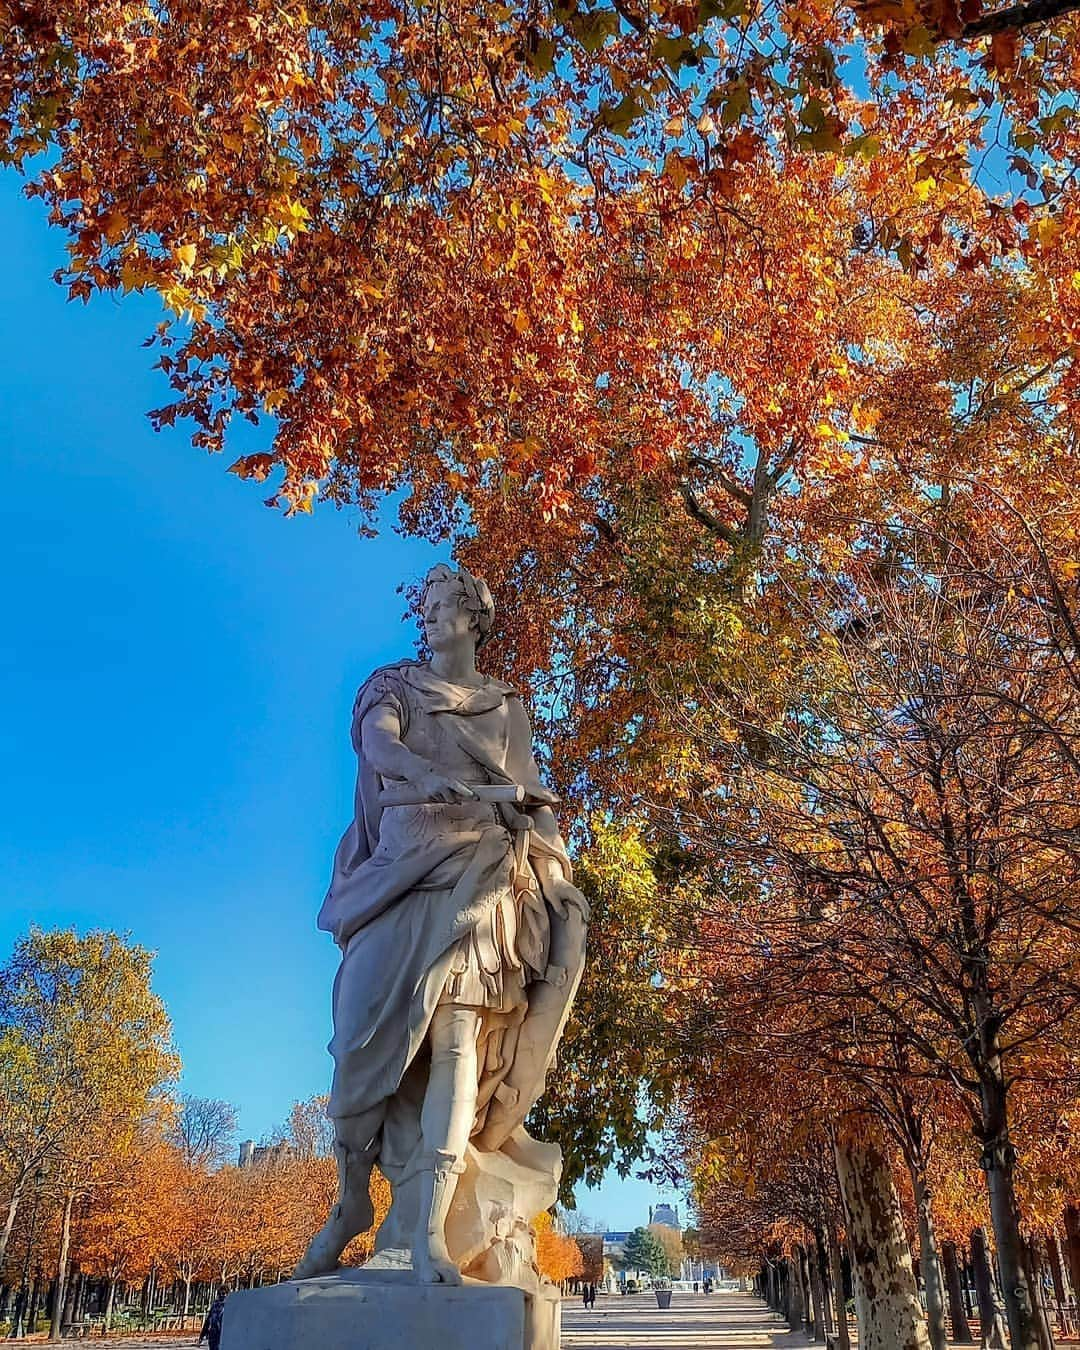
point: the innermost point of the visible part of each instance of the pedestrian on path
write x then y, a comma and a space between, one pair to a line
211, 1328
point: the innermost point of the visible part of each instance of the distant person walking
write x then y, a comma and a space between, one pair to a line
211, 1328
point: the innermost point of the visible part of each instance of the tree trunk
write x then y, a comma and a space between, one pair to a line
836, 1268
795, 1299
9, 1220
817, 1295
929, 1263
776, 1302
71, 1299
893, 1316
110, 1303
992, 1329
821, 1257
1053, 1257
1032, 1262
961, 1331
804, 1286
999, 1163
18, 1312
1072, 1247
57, 1314
34, 1301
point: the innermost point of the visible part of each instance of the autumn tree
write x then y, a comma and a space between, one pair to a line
85, 1052
558, 1256
615, 1080
133, 1218
671, 1241
417, 242
204, 1129
910, 815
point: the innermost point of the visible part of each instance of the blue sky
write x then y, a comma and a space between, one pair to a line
176, 681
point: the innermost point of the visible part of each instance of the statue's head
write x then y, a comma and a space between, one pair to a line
455, 604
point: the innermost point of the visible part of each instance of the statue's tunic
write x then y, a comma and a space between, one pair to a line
436, 903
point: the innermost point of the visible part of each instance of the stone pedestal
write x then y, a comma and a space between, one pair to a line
384, 1310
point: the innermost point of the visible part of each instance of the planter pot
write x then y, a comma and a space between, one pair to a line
663, 1298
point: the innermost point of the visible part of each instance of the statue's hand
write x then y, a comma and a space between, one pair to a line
561, 894
438, 787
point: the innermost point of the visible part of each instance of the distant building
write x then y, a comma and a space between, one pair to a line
666, 1214
615, 1247
263, 1155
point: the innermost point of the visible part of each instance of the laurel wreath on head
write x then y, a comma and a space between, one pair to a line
475, 596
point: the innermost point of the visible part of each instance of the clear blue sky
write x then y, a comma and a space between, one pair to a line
176, 679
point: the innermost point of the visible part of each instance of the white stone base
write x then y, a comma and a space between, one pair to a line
385, 1310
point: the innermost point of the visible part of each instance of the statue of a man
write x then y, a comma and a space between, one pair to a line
461, 932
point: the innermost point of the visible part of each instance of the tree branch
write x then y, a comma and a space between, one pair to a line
705, 517
1019, 16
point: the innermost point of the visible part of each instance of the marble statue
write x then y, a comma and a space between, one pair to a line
462, 938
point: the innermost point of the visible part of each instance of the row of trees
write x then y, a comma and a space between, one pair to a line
855, 838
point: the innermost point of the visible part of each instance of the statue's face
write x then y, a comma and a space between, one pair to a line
447, 623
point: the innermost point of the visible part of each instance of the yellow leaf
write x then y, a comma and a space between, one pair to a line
1049, 230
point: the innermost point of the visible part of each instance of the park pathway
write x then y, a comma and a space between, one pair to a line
729, 1321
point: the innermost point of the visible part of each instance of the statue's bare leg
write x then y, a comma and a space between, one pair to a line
446, 1122
356, 1147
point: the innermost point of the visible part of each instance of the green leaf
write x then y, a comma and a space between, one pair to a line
735, 105
812, 115
618, 119
593, 30
865, 146
918, 41
542, 58
675, 52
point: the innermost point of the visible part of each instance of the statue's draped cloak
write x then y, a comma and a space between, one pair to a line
410, 883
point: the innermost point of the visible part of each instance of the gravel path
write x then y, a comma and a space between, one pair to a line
693, 1322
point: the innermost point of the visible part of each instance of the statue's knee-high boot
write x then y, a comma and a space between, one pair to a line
431, 1259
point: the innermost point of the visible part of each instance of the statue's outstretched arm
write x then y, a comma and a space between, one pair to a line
382, 747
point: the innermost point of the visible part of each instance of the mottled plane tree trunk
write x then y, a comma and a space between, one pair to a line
892, 1317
